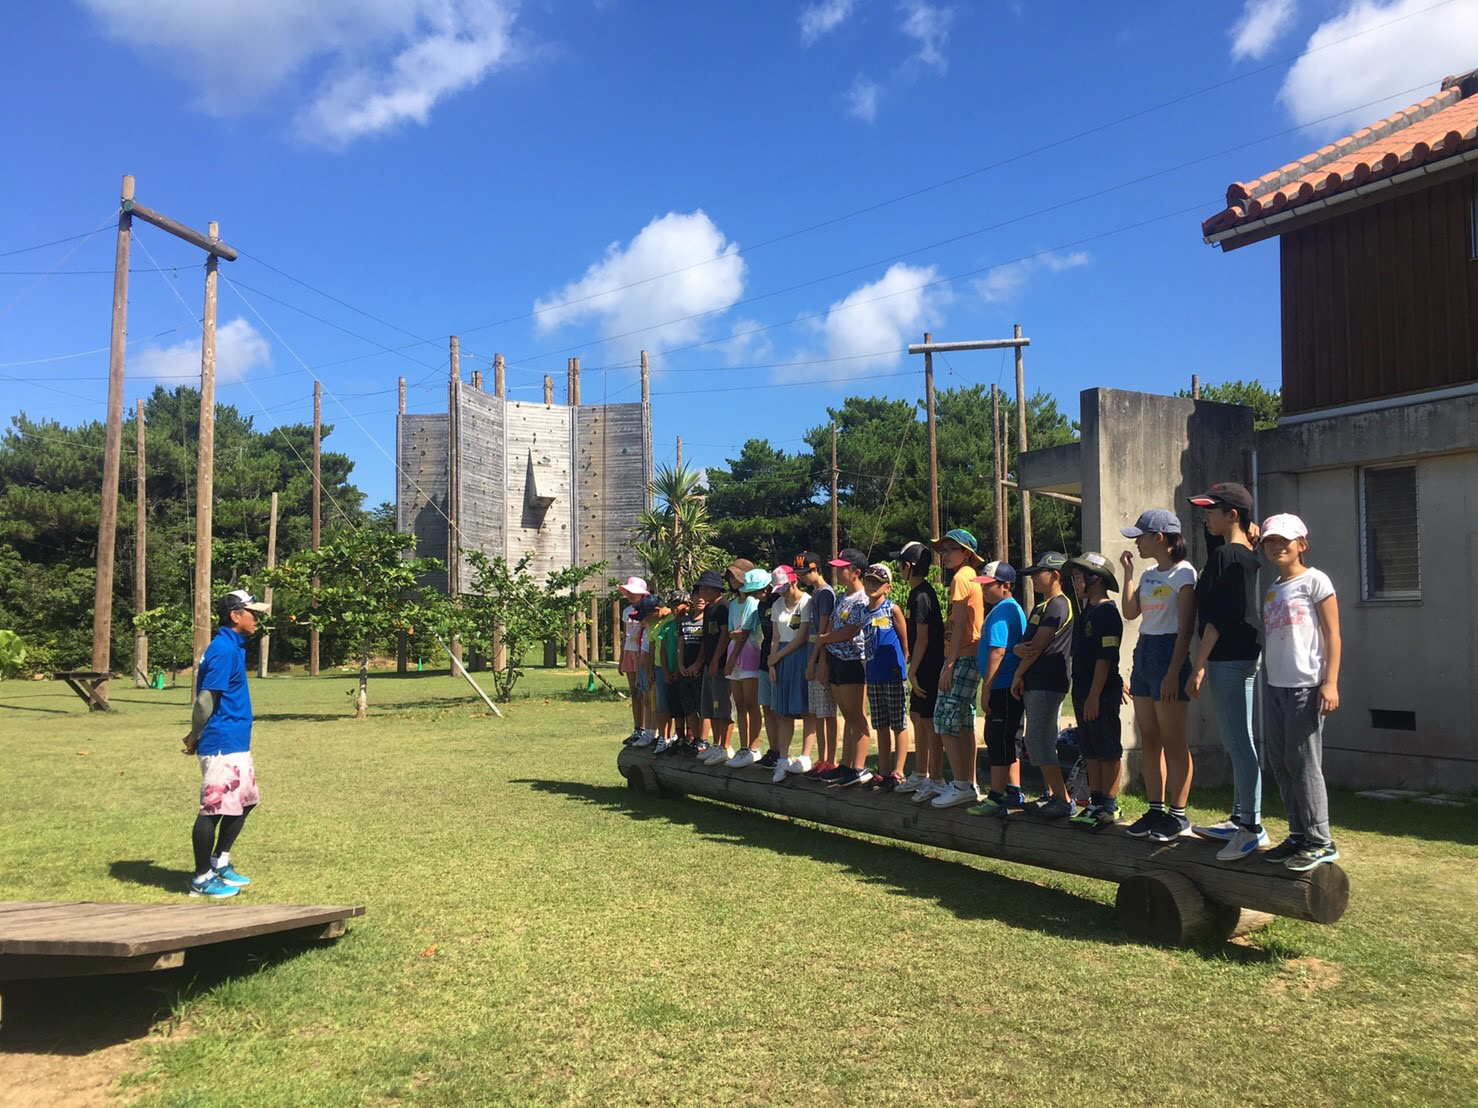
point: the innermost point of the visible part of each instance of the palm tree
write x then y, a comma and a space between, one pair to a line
676, 537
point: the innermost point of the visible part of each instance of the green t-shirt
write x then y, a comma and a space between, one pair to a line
668, 634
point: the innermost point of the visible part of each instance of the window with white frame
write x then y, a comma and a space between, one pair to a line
1390, 556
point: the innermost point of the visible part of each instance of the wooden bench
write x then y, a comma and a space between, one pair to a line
85, 683
1172, 894
43, 939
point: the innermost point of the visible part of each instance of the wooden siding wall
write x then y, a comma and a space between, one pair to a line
1381, 301
482, 488
421, 486
613, 446
544, 431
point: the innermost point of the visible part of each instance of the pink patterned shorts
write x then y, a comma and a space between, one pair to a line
228, 784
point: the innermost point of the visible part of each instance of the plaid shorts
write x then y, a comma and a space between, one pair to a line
885, 706
954, 711
819, 701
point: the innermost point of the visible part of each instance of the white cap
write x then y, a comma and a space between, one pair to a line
1285, 526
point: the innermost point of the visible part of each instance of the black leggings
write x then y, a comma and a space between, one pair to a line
206, 840
1001, 724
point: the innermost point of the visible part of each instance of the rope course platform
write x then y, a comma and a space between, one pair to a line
45, 939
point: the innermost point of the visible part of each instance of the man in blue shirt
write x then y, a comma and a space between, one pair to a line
220, 735
1005, 625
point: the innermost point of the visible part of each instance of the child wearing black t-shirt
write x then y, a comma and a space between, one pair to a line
1098, 690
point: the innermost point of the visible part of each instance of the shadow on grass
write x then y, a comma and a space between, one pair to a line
967, 892
28, 708
1403, 817
148, 873
78, 1015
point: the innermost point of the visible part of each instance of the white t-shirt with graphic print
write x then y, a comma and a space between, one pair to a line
1159, 612
1293, 656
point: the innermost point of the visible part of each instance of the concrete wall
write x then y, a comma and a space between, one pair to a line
1417, 656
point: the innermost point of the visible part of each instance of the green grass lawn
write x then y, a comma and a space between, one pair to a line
537, 933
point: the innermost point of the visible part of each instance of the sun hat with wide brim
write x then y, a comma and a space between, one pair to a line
961, 538
755, 580
1091, 561
634, 587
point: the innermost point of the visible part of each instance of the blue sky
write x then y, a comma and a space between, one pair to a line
772, 198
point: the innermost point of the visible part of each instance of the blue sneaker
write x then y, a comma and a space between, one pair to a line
212, 886
229, 876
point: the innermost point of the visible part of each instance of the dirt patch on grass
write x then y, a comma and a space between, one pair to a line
1307, 975
39, 1079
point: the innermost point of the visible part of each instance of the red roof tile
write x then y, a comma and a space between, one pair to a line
1431, 131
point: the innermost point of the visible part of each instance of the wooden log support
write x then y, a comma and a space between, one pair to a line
1172, 892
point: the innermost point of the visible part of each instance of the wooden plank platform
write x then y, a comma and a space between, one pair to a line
74, 938
1169, 892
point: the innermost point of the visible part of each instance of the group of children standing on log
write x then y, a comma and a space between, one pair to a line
751, 650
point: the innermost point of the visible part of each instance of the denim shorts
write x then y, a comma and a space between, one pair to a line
1152, 654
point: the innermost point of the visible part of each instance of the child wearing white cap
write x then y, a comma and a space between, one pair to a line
1301, 657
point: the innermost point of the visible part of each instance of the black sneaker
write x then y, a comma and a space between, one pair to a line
1283, 851
1311, 855
771, 758
1141, 827
1169, 828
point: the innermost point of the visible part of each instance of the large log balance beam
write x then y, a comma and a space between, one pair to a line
1170, 894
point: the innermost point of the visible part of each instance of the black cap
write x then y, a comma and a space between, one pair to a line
1226, 494
710, 579
913, 553
853, 557
806, 561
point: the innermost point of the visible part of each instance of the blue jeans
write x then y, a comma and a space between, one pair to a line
1230, 688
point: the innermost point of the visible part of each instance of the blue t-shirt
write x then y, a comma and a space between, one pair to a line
1005, 625
886, 664
223, 670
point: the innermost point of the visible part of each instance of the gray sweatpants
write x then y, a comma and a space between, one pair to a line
1295, 751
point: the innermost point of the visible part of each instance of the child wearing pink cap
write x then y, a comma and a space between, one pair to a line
1300, 618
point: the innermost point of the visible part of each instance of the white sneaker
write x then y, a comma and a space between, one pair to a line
744, 757
798, 765
647, 739
1221, 832
717, 754
956, 792
927, 790
1243, 844
910, 783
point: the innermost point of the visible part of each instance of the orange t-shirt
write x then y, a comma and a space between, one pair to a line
964, 587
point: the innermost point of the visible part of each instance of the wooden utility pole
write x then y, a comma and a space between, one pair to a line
266, 644
317, 523
102, 597
500, 384
593, 654
574, 382
935, 532
205, 464
548, 390
1026, 497
140, 544
102, 608
679, 452
1195, 386
998, 464
1016, 342
835, 538
453, 494
402, 640
646, 379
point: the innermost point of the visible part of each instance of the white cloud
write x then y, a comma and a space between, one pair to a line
1005, 282
873, 324
678, 266
240, 348
1365, 61
351, 67
1262, 24
750, 342
862, 99
823, 17
929, 26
